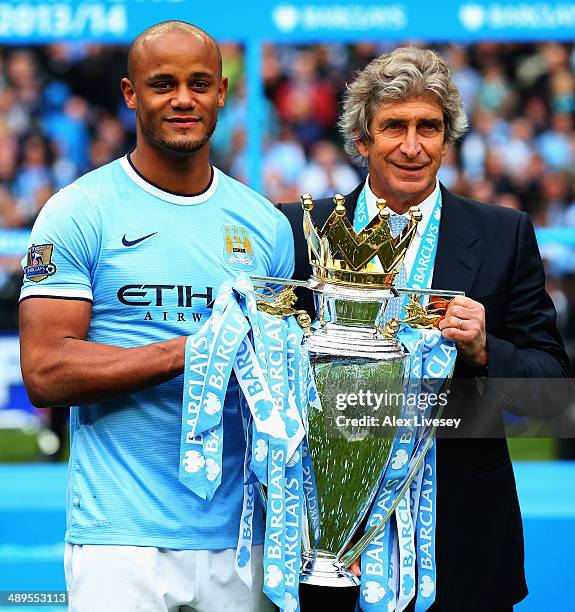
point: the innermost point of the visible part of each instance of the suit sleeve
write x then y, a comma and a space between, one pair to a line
530, 362
283, 263
302, 271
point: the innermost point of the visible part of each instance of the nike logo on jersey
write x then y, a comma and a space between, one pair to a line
129, 243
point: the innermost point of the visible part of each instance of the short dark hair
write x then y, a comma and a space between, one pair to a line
168, 26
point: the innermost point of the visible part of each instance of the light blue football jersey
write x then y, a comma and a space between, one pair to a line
151, 262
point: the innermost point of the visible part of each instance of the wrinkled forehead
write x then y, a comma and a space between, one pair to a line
426, 106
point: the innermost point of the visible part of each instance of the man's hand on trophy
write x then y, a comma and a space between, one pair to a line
355, 567
464, 323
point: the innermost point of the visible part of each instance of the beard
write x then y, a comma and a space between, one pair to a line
181, 146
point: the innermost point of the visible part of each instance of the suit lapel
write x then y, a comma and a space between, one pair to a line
457, 260
321, 213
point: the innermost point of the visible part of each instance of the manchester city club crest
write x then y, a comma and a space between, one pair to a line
39, 262
238, 248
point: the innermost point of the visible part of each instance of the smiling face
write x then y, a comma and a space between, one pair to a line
408, 145
176, 89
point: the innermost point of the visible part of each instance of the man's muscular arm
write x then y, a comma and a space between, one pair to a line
60, 367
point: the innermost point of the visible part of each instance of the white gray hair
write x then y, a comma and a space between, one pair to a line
404, 73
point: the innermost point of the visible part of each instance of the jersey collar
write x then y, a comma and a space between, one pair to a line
174, 198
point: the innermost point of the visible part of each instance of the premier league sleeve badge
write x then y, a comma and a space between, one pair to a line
39, 262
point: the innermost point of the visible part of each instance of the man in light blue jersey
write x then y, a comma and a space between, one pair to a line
123, 265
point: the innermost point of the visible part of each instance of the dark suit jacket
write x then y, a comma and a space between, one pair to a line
491, 254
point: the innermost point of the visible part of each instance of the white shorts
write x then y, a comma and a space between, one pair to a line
126, 578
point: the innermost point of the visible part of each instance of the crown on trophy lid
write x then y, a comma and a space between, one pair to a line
337, 253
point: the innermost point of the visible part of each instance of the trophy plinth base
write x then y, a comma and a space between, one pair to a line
322, 568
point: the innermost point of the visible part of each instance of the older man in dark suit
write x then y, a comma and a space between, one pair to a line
400, 115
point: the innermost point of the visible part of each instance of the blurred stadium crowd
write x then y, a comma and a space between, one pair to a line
61, 115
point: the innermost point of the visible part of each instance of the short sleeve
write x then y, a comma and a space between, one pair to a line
63, 248
283, 260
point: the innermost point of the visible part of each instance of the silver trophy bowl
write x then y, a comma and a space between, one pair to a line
349, 448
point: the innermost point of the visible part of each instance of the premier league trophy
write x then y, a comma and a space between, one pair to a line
350, 350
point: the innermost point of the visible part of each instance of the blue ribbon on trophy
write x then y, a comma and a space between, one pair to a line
280, 370
208, 366
242, 564
387, 585
276, 384
437, 364
308, 389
